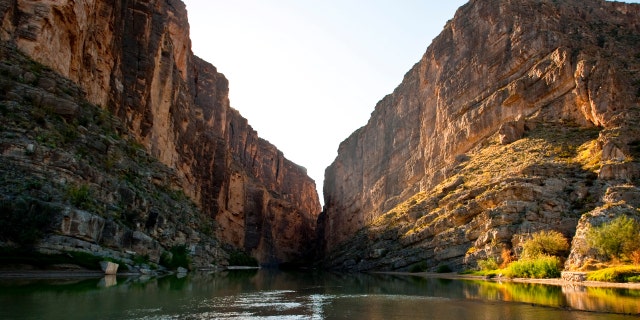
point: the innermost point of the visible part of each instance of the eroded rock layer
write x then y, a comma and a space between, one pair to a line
134, 58
419, 182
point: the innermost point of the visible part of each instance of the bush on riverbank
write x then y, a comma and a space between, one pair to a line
541, 258
617, 239
176, 257
541, 267
549, 243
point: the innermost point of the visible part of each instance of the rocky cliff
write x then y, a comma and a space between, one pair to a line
134, 59
521, 116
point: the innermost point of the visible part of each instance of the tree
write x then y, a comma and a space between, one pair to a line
620, 236
548, 243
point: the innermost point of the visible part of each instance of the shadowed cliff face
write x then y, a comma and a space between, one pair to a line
134, 58
499, 71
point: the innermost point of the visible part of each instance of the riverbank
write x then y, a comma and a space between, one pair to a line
53, 274
554, 281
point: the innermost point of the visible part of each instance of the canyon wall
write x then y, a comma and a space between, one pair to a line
134, 59
411, 185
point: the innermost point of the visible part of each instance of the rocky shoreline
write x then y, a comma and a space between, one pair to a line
552, 282
53, 274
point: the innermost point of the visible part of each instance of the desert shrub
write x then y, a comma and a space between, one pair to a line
488, 264
541, 267
240, 258
79, 196
620, 236
444, 268
507, 257
140, 259
418, 267
635, 257
178, 256
549, 243
616, 274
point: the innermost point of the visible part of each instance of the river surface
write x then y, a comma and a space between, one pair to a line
264, 294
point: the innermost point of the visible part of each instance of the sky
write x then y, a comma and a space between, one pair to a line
308, 73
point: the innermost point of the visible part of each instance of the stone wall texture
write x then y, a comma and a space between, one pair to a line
134, 58
500, 68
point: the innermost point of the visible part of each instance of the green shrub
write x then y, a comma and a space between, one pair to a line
418, 267
141, 259
178, 256
540, 267
620, 236
240, 258
443, 269
79, 196
488, 264
616, 274
549, 243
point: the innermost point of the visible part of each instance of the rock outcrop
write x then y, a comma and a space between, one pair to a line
134, 59
520, 116
73, 180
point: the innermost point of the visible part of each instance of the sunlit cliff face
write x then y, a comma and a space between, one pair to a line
496, 69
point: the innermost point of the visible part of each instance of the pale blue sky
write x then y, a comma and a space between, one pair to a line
307, 73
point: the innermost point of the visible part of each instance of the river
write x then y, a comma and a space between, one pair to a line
265, 294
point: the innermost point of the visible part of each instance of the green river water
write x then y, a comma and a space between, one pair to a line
265, 294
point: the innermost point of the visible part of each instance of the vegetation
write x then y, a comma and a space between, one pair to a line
443, 269
240, 258
79, 196
548, 243
616, 239
542, 266
418, 267
178, 256
488, 264
616, 274
541, 258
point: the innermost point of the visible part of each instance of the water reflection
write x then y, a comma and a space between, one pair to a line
108, 281
252, 294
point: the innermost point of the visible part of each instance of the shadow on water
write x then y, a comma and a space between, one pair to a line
265, 294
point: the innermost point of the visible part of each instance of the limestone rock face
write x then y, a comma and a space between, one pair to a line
500, 71
78, 182
134, 58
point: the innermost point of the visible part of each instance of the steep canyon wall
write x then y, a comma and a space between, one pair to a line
500, 70
134, 58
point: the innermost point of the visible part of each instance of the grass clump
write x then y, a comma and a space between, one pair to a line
616, 274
